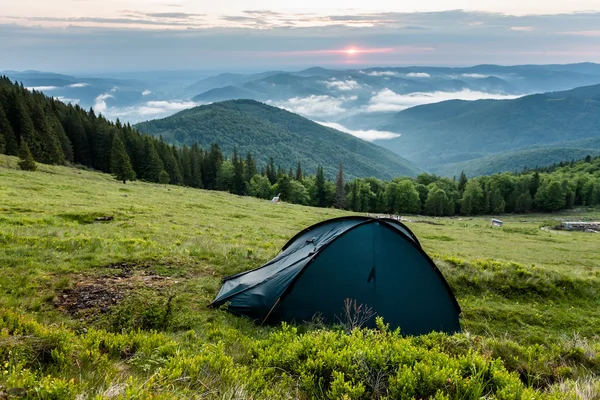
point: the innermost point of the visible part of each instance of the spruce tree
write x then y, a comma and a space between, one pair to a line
238, 173
9, 142
271, 173
320, 189
249, 168
462, 182
299, 174
26, 163
153, 164
339, 200
164, 178
120, 165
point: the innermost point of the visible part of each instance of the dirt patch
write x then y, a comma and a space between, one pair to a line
87, 297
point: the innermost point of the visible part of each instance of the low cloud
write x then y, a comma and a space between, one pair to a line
67, 100
522, 28
475, 76
380, 73
100, 105
315, 106
418, 75
78, 85
146, 92
148, 110
41, 88
389, 101
342, 85
368, 135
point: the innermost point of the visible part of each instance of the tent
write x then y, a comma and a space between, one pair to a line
375, 262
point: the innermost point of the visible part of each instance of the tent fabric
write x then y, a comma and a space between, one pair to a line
376, 262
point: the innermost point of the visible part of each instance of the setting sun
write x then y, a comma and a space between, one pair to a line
351, 51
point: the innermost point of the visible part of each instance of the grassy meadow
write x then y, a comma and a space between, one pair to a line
117, 309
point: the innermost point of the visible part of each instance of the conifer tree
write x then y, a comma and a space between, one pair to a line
196, 162
462, 182
153, 163
164, 178
339, 200
320, 189
250, 169
299, 174
120, 165
270, 172
7, 137
26, 163
238, 173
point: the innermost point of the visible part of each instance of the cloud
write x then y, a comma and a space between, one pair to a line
67, 100
380, 73
42, 88
522, 28
100, 102
146, 92
368, 135
475, 76
78, 85
389, 101
174, 15
315, 106
418, 75
342, 85
146, 111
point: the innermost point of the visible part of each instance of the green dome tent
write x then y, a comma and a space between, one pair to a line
375, 262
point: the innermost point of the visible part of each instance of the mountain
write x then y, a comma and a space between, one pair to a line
516, 161
269, 131
454, 131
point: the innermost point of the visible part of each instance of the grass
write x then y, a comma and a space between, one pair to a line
530, 298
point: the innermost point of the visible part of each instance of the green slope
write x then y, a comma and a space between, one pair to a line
267, 131
456, 131
515, 161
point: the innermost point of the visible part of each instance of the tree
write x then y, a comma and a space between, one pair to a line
164, 178
407, 198
299, 174
238, 174
298, 193
320, 190
27, 163
120, 164
497, 203
249, 168
462, 183
284, 188
339, 200
260, 187
270, 172
8, 142
550, 196
472, 200
153, 163
225, 176
437, 201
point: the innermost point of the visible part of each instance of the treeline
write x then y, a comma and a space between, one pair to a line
57, 133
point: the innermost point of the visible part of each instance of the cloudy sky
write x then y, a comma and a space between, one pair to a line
130, 35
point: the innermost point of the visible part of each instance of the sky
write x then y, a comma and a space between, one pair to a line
143, 35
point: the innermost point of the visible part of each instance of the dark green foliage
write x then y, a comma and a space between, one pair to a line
152, 163
163, 177
299, 173
249, 168
320, 190
238, 174
8, 141
340, 193
120, 165
267, 131
26, 163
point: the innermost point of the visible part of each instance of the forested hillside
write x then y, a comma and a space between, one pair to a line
267, 131
453, 131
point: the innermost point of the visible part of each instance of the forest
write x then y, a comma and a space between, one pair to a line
40, 128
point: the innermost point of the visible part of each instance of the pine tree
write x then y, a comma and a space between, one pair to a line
462, 182
196, 160
249, 168
339, 200
27, 163
320, 189
120, 165
299, 174
153, 164
9, 142
164, 178
238, 173
270, 172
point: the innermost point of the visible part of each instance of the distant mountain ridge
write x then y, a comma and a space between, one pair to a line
455, 131
288, 138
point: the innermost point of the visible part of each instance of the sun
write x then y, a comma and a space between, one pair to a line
351, 51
